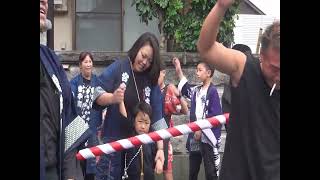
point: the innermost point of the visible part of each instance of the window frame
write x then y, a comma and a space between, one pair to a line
74, 22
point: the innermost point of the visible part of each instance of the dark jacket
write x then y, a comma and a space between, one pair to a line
66, 157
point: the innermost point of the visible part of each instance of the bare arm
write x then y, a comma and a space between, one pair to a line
122, 109
160, 153
159, 159
158, 167
226, 60
105, 99
176, 63
111, 98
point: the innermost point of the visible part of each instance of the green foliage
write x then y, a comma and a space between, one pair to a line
165, 10
181, 20
188, 29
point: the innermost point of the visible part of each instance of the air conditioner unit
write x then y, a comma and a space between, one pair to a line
57, 2
60, 5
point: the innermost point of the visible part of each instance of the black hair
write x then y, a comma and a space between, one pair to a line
142, 107
151, 39
208, 67
83, 55
242, 47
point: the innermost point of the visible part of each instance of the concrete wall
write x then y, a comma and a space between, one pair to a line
133, 28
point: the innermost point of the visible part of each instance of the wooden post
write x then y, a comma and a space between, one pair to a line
259, 41
50, 16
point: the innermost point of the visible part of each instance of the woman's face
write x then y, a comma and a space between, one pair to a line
143, 59
86, 66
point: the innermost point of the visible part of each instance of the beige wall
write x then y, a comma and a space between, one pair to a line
63, 28
133, 28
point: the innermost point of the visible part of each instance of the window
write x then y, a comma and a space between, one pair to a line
99, 25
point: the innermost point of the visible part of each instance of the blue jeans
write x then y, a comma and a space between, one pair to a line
110, 166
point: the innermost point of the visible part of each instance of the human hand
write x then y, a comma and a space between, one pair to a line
123, 86
158, 167
118, 94
159, 155
176, 63
197, 135
97, 159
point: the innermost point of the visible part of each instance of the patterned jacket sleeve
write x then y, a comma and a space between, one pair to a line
185, 88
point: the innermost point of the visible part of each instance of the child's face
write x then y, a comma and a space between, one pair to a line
142, 123
202, 72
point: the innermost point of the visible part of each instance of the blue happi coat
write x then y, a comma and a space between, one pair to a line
95, 117
212, 108
90, 115
110, 79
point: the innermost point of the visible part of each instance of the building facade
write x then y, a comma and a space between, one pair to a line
114, 25
100, 25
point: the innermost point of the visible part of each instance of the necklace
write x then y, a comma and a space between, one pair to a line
125, 175
162, 88
134, 79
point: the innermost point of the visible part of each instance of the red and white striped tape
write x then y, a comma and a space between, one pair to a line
152, 137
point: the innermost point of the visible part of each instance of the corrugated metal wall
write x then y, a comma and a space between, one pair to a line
247, 29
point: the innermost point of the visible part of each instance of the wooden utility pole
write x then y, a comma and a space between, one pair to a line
50, 32
259, 41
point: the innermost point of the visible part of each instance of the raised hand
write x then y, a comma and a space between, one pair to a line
176, 63
158, 167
